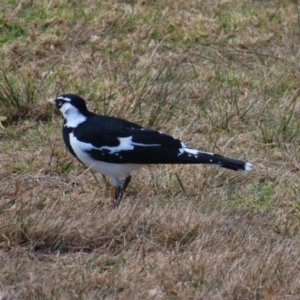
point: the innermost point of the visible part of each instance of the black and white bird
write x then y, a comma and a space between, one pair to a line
115, 147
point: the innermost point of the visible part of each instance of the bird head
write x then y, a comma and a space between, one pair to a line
72, 107
70, 100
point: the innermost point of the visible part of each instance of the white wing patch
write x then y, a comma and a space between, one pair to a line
195, 152
125, 145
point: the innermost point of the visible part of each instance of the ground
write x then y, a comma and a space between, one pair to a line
221, 75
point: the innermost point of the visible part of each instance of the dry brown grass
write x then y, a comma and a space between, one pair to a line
221, 75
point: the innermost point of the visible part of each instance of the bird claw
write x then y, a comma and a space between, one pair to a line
115, 203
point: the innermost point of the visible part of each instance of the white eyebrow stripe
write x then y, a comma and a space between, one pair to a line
64, 98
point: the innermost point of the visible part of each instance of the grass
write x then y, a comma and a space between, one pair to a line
222, 76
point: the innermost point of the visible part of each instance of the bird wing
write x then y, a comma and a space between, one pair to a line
121, 142
118, 141
152, 147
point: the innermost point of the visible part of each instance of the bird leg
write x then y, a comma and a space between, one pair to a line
125, 184
119, 192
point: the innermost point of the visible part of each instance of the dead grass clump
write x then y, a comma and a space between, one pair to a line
19, 98
190, 250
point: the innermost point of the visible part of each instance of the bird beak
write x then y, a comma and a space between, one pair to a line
52, 101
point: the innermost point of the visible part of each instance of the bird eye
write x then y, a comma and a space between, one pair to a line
59, 103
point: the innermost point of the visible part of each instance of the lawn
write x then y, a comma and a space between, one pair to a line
221, 75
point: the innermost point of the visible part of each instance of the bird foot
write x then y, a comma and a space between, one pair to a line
115, 203
115, 197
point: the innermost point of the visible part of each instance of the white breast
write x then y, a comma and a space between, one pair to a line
72, 115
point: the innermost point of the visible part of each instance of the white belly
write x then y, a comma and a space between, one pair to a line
120, 171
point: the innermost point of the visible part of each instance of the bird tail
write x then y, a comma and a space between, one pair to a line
194, 156
217, 160
229, 163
